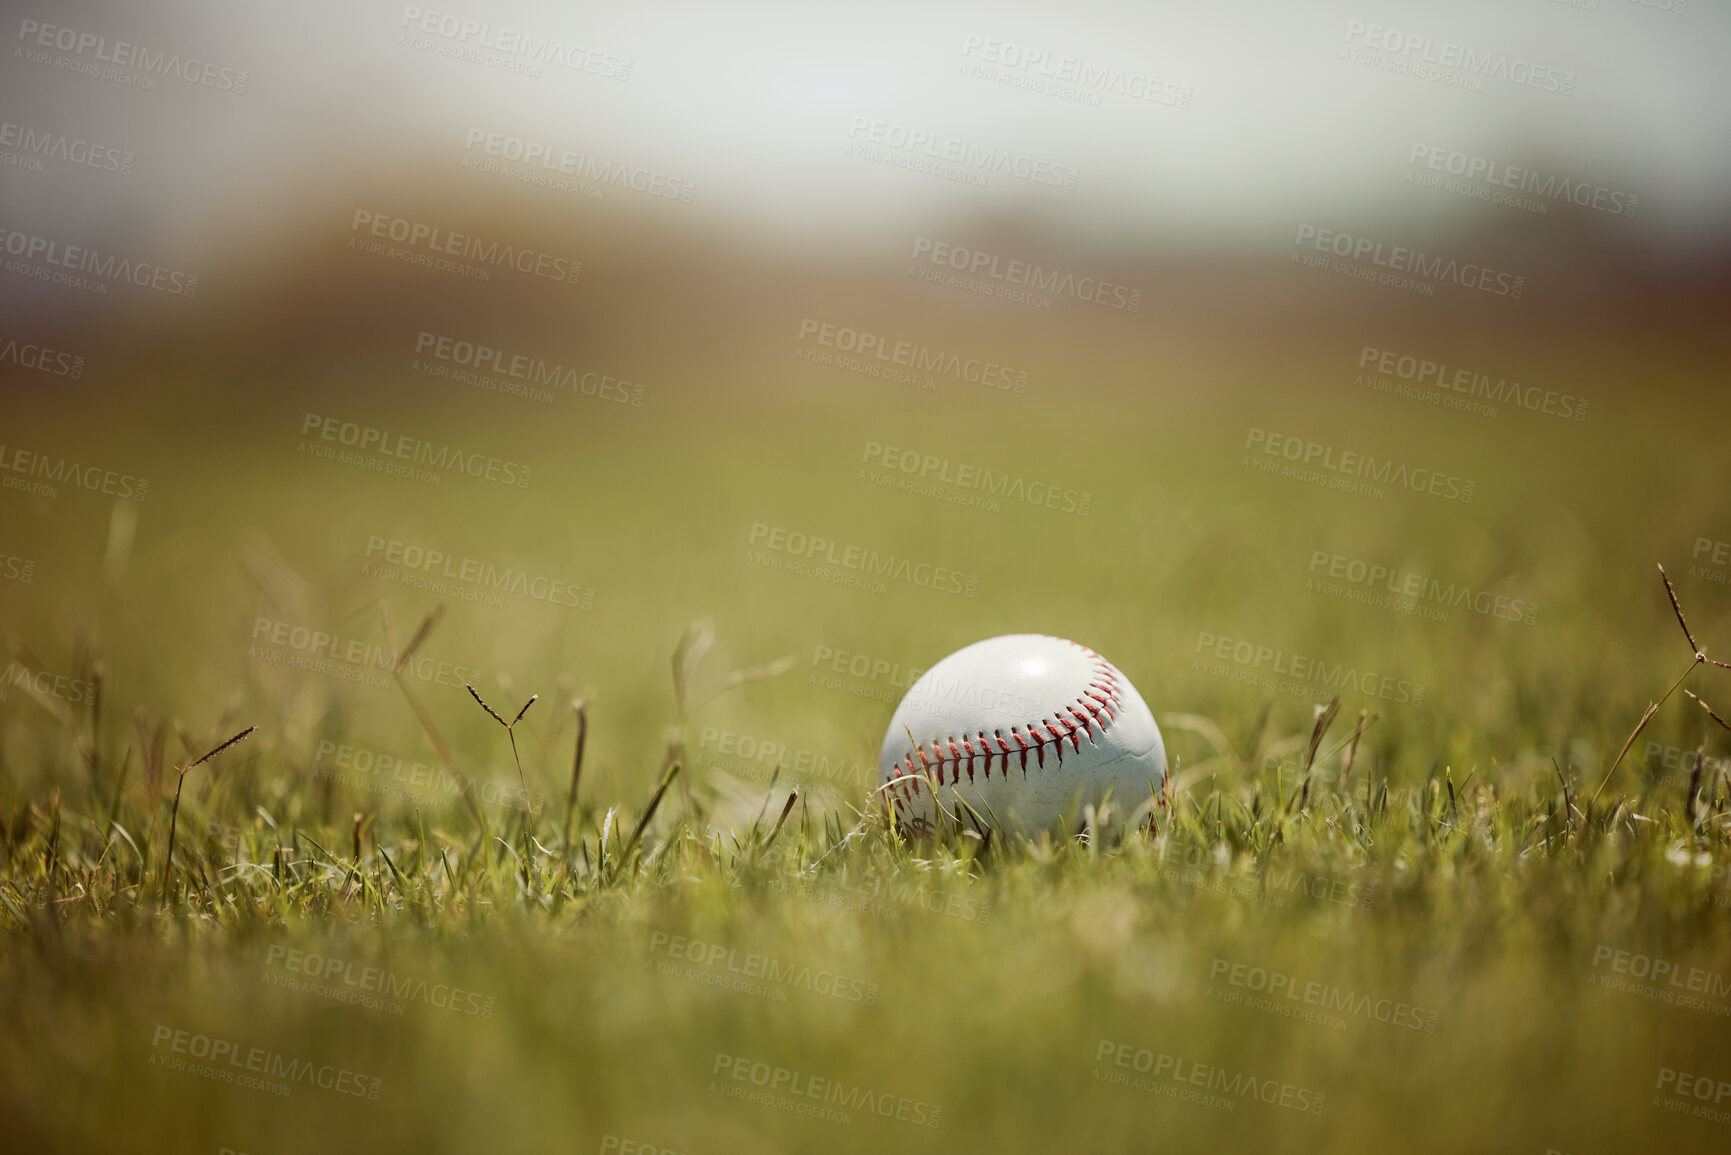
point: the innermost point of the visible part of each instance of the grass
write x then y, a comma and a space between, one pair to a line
1415, 915
1442, 940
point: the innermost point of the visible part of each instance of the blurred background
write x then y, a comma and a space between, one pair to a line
1386, 336
1275, 350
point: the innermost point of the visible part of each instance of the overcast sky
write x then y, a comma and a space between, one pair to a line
1198, 125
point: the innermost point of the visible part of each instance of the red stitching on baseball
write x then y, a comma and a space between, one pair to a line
1097, 706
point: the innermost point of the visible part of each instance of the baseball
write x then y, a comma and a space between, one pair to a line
1020, 728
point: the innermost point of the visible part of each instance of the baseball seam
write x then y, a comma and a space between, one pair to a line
1097, 706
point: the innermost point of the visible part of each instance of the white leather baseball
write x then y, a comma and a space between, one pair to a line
1019, 727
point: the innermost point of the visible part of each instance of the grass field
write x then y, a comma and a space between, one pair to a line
1433, 937
477, 479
